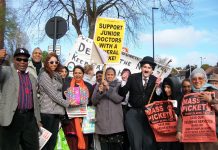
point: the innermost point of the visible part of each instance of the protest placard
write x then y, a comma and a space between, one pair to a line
44, 136
198, 120
109, 36
162, 71
88, 125
163, 120
83, 55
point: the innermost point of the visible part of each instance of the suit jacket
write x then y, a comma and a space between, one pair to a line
138, 96
9, 92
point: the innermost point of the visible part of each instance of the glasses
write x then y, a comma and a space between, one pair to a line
22, 59
54, 62
197, 79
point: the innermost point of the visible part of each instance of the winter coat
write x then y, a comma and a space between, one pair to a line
32, 69
51, 99
109, 114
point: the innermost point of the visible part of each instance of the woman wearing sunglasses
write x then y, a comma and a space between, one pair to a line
52, 104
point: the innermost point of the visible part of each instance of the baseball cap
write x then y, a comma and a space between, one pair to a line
21, 51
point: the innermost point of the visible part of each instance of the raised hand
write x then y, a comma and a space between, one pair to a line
2, 54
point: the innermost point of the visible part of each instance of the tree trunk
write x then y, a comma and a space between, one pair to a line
76, 26
2, 22
92, 27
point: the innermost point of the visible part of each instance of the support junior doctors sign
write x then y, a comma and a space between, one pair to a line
109, 36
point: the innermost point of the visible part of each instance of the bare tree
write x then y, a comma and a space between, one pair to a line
161, 60
14, 36
83, 13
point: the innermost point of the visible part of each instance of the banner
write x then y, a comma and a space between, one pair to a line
109, 36
82, 55
198, 120
163, 120
98, 55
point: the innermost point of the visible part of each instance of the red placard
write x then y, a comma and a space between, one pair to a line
163, 120
198, 120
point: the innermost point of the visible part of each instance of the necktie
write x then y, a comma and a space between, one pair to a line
146, 82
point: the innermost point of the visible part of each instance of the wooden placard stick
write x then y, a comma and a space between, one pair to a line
162, 71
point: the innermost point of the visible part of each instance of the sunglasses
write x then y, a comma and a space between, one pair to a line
22, 59
54, 62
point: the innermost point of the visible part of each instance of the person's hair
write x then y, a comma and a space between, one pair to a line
78, 67
64, 67
186, 80
110, 68
125, 70
46, 64
99, 72
36, 48
87, 68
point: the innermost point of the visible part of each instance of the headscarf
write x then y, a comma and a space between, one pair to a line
200, 71
175, 86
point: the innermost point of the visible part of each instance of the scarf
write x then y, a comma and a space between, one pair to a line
38, 66
77, 121
204, 87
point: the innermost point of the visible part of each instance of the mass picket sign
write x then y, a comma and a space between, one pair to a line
163, 120
109, 36
198, 120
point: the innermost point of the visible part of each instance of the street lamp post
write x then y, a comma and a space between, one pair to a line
202, 59
153, 8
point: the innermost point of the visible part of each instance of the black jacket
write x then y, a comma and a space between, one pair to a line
138, 96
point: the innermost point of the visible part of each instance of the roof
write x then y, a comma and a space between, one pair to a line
211, 70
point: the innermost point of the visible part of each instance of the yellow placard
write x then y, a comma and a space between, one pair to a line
109, 36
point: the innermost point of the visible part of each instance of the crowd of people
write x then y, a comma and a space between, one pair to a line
33, 95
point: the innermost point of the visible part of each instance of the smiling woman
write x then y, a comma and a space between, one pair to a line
205, 100
51, 64
73, 129
52, 104
109, 113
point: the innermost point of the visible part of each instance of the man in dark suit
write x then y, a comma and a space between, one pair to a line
19, 106
140, 86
